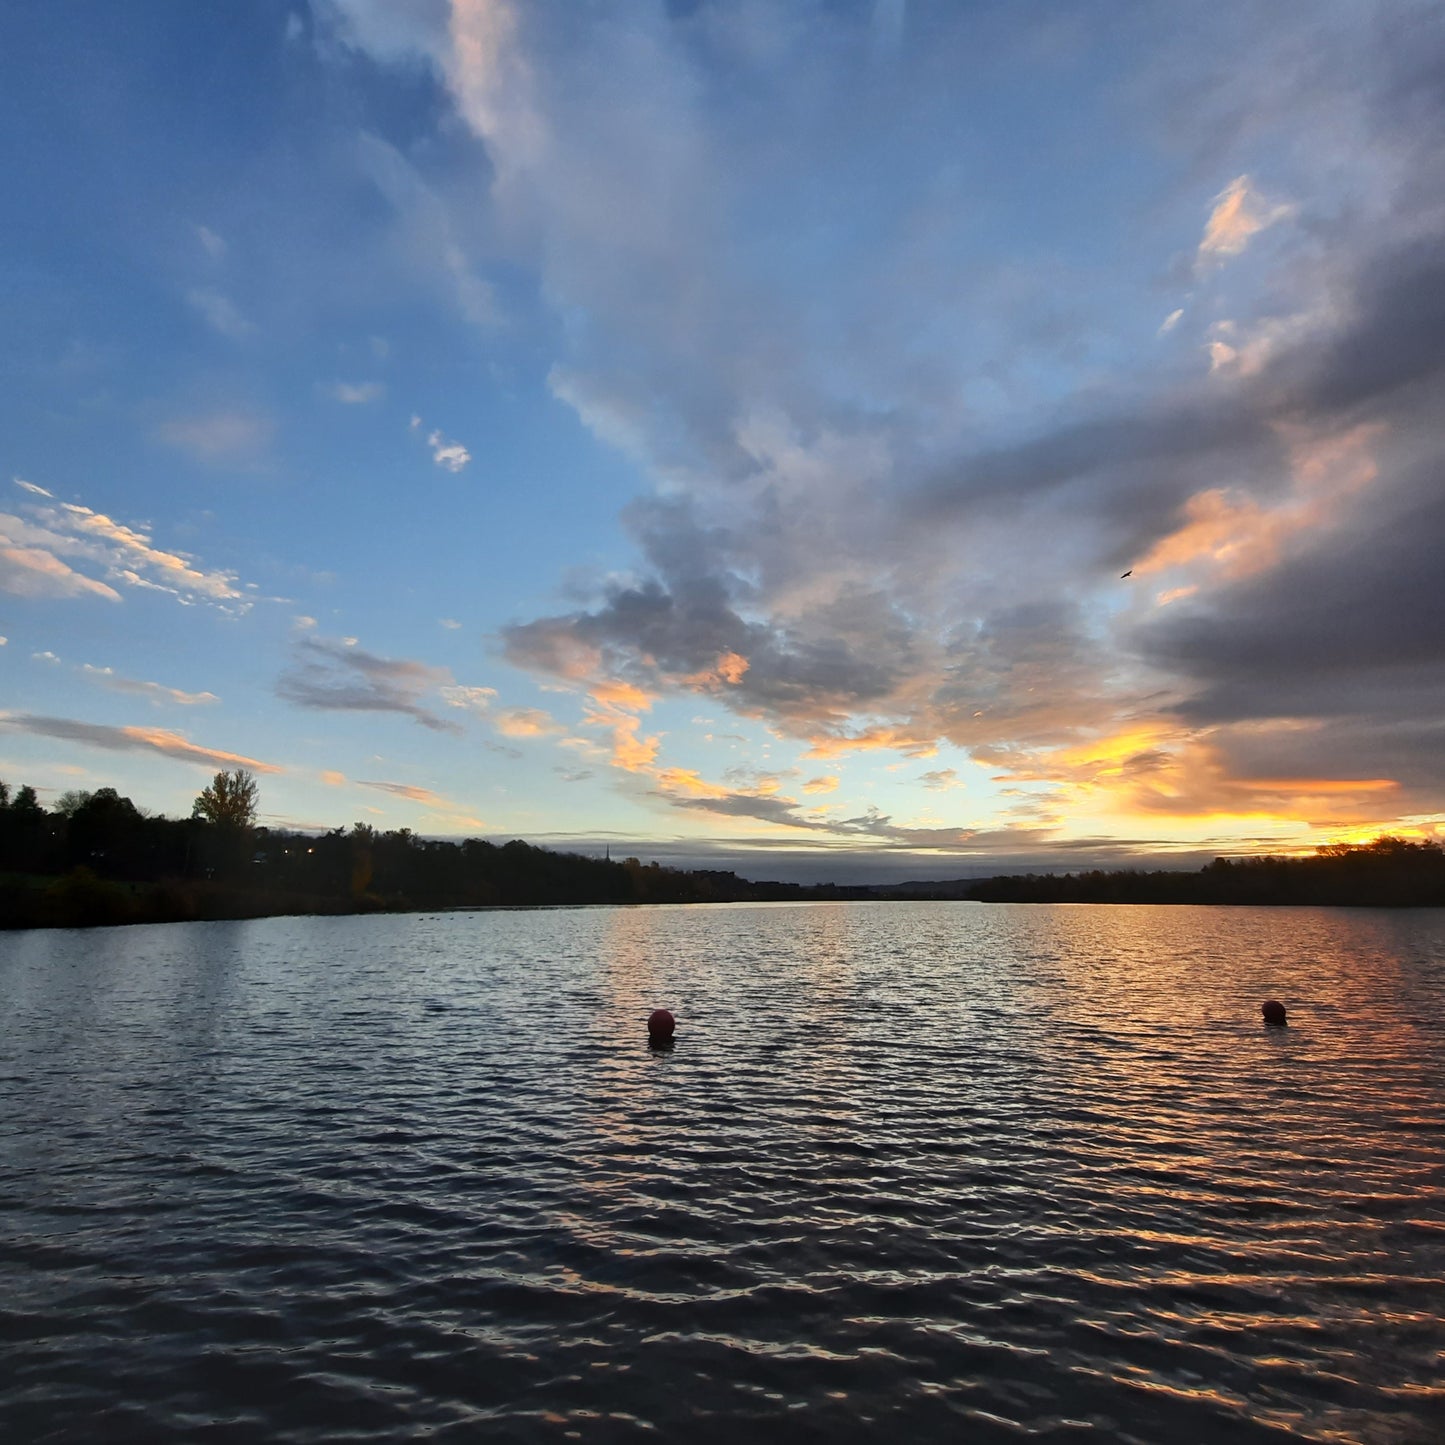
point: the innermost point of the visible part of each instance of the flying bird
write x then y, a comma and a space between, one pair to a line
1123, 575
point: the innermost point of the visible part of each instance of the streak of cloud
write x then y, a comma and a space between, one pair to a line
152, 691
39, 551
336, 675
132, 739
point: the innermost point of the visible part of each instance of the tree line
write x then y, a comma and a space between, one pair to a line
96, 857
1389, 872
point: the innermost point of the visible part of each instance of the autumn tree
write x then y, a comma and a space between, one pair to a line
230, 801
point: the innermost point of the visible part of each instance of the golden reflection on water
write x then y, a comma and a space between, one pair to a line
909, 1170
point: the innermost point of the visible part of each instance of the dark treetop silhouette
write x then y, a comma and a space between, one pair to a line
97, 858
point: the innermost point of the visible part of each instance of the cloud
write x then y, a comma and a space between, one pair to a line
27, 571
333, 779
940, 779
32, 488
1240, 213
335, 675
125, 554
152, 691
823, 783
408, 791
448, 813
429, 232
450, 623
218, 436
221, 314
213, 244
131, 739
897, 477
452, 456
526, 722
473, 699
357, 393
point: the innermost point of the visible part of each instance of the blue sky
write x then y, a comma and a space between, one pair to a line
717, 430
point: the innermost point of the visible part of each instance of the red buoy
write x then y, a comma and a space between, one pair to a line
660, 1024
1274, 1013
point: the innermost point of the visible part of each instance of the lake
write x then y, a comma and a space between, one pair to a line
940, 1171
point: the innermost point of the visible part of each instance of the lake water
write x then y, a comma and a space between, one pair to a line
932, 1171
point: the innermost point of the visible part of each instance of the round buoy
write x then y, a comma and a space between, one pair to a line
1274, 1013
660, 1024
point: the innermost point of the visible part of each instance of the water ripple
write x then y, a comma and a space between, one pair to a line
956, 1171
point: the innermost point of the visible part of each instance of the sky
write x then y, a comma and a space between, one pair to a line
718, 431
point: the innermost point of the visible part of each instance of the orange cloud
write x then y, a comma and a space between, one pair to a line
621, 694
1152, 770
408, 791
631, 753
131, 739
32, 572
526, 722
1236, 536
731, 666
878, 737
824, 783
1239, 214
164, 741
689, 782
729, 669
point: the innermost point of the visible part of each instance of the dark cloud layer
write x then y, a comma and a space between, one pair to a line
865, 536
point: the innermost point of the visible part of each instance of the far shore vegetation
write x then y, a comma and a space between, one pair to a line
96, 858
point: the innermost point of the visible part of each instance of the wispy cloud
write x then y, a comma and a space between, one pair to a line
358, 393
218, 436
526, 722
40, 550
1240, 213
336, 675
32, 571
132, 739
408, 791
473, 699
213, 244
152, 691
221, 314
940, 780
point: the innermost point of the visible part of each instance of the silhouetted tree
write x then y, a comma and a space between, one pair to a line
24, 836
230, 801
26, 805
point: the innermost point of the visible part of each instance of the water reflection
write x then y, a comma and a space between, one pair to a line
926, 1169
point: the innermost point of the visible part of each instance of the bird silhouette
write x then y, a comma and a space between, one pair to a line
1123, 575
